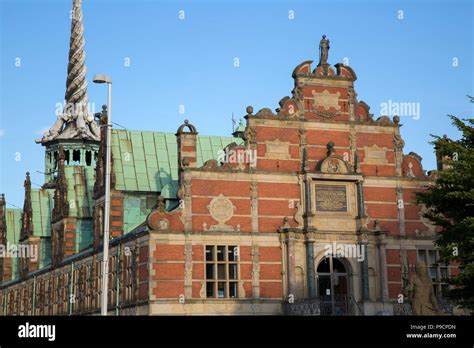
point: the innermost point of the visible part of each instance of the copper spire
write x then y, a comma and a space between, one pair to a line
75, 122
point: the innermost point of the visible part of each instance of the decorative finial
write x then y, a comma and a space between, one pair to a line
103, 116
249, 110
285, 224
330, 147
188, 125
323, 51
161, 204
233, 123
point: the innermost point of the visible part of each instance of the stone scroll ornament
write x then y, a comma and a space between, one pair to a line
75, 122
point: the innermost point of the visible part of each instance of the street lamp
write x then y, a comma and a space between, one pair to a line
101, 78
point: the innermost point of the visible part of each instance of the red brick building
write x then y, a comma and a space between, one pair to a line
241, 225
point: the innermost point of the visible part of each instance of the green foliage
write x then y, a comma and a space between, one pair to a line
450, 203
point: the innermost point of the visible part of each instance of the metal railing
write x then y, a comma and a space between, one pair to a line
339, 305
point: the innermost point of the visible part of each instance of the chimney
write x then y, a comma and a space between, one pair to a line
187, 141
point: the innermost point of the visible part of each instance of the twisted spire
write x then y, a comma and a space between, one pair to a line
75, 122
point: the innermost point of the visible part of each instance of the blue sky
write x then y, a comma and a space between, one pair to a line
190, 62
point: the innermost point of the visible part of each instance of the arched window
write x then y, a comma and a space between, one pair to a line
332, 286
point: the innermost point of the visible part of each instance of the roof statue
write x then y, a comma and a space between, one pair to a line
323, 51
75, 122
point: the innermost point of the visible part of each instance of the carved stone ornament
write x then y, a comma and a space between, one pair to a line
250, 134
410, 173
326, 100
162, 224
265, 112
221, 210
428, 223
333, 165
421, 293
298, 217
398, 142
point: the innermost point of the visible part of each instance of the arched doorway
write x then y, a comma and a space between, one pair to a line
333, 286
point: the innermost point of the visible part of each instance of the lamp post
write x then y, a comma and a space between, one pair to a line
100, 78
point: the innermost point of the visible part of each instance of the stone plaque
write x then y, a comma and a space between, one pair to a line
277, 149
331, 198
375, 155
326, 100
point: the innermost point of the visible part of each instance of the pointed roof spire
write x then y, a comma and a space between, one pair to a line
75, 122
3, 222
27, 214
240, 130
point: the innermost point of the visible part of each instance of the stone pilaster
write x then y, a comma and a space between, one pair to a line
365, 270
381, 246
188, 268
308, 214
254, 205
362, 218
290, 248
401, 210
255, 271
310, 265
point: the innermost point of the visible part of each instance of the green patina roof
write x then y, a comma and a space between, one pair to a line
148, 161
144, 161
13, 217
42, 205
80, 187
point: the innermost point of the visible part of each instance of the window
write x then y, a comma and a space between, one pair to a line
76, 157
88, 158
438, 270
66, 160
222, 271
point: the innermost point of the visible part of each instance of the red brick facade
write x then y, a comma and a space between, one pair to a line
250, 238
